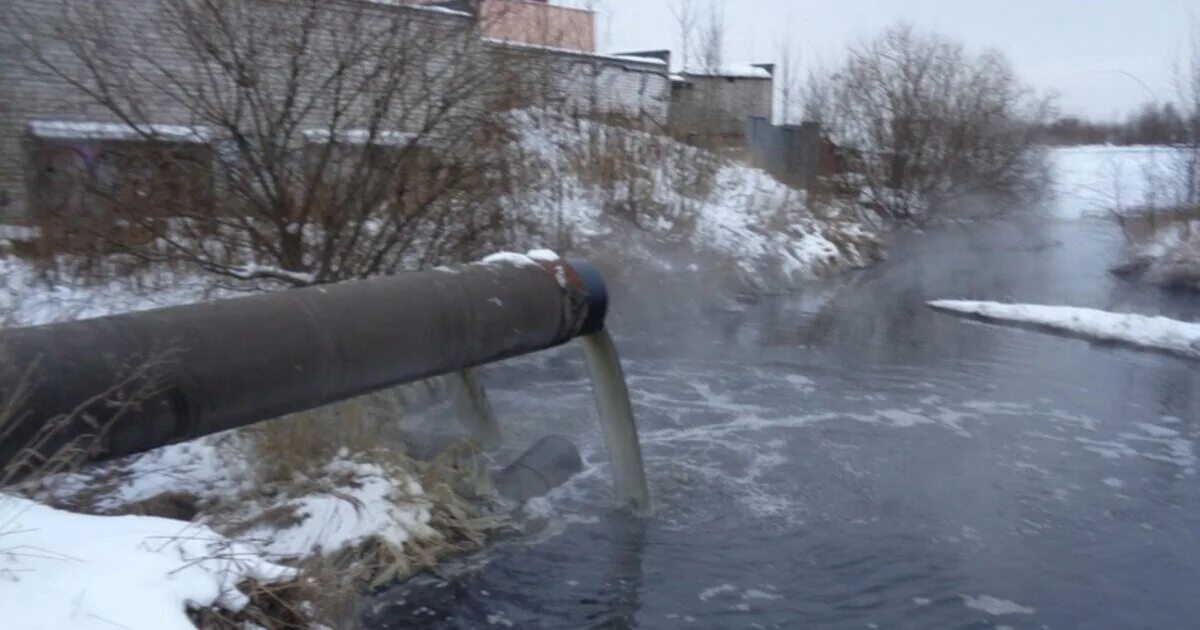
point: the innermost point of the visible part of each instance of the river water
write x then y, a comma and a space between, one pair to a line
844, 457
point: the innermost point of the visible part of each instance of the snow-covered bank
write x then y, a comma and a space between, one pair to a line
646, 199
64, 570
342, 520
1163, 249
634, 199
1154, 333
1146, 190
641, 200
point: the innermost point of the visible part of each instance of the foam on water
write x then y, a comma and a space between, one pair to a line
996, 606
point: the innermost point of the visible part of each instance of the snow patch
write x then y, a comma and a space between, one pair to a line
378, 503
732, 70
251, 271
361, 136
10, 232
510, 258
78, 571
69, 130
26, 299
744, 223
1156, 333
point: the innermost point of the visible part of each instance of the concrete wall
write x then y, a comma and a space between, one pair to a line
585, 85
538, 23
30, 92
715, 108
793, 154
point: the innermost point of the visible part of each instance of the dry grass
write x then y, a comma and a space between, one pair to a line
65, 442
283, 606
292, 454
306, 441
330, 589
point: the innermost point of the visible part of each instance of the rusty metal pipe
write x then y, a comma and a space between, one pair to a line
232, 363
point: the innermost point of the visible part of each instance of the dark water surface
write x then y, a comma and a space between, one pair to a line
847, 458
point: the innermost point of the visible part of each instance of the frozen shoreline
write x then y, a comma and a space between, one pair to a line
1140, 331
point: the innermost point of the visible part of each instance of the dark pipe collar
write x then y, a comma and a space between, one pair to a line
593, 286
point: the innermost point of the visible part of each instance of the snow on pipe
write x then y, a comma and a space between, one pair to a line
230, 363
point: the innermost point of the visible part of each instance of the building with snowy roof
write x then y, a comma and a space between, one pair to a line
712, 105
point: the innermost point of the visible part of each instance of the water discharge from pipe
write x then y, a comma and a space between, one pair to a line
473, 409
616, 420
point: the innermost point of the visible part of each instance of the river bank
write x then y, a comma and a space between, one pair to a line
1149, 191
333, 496
715, 372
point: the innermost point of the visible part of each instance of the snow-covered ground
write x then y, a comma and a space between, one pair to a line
143, 572
1155, 333
65, 570
1097, 180
722, 213
665, 201
27, 299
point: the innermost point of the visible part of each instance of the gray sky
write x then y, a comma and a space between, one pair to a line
1077, 48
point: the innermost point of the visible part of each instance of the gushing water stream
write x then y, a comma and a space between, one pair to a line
617, 422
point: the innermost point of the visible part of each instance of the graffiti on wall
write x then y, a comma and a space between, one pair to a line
89, 178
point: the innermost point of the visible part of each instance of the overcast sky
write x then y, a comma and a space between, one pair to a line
1080, 49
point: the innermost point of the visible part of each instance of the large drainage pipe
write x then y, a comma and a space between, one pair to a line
548, 464
226, 364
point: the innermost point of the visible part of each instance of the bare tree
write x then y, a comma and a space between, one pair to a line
712, 38
686, 19
787, 79
341, 139
923, 124
1188, 90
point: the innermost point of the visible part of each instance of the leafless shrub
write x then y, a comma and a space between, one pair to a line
1162, 224
643, 176
1188, 90
314, 141
1170, 176
788, 83
924, 124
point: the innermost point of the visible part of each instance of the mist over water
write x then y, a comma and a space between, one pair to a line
845, 457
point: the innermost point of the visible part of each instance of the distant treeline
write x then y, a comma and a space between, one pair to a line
1153, 123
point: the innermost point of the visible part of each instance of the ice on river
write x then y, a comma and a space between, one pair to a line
1155, 333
